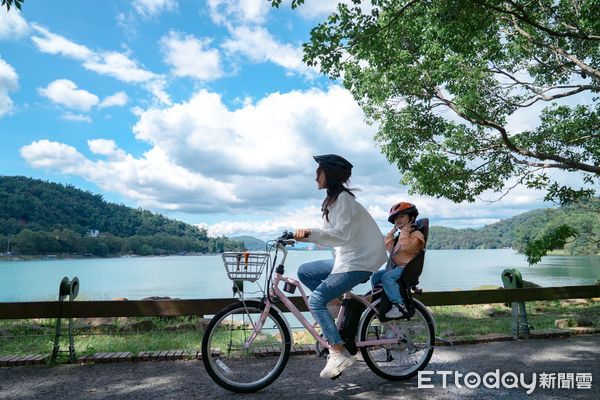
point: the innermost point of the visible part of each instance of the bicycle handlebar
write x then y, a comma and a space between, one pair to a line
287, 238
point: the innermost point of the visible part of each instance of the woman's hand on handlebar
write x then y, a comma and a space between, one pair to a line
301, 235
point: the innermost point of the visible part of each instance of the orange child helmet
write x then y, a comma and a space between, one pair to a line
403, 208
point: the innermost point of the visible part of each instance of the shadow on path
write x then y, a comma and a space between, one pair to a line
189, 380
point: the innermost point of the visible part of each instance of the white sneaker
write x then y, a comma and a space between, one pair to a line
336, 363
397, 311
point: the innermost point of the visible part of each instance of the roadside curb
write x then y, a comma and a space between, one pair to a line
173, 355
142, 356
542, 334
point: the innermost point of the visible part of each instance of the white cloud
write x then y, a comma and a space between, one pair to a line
157, 88
248, 37
204, 134
267, 228
9, 81
77, 117
66, 93
206, 157
107, 148
255, 163
117, 99
153, 181
110, 63
378, 199
192, 57
319, 9
51, 43
235, 12
260, 46
119, 66
52, 155
152, 8
13, 25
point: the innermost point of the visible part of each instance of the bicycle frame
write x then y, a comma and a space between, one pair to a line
274, 290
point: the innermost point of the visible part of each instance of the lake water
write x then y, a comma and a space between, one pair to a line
200, 277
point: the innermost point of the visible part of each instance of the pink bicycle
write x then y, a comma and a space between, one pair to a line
246, 345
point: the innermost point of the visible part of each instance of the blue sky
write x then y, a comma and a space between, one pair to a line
202, 111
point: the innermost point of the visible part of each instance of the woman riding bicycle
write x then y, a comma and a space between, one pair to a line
359, 251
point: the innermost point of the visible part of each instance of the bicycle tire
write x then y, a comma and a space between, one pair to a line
245, 370
380, 359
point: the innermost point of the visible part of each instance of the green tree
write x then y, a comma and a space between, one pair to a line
442, 78
69, 214
481, 61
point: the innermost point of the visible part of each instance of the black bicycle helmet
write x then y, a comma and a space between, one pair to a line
333, 161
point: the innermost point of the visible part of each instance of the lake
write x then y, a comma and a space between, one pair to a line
199, 277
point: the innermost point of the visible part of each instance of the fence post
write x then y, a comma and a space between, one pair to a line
511, 278
67, 288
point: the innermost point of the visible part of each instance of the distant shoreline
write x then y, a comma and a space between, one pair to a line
57, 257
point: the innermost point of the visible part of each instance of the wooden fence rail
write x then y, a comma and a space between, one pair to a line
137, 308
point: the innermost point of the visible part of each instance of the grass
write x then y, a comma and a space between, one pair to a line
468, 322
23, 337
25, 340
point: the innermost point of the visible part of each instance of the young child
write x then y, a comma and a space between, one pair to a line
410, 243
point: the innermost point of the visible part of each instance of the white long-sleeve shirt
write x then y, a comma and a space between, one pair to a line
354, 235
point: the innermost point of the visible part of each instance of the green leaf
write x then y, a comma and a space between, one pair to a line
550, 240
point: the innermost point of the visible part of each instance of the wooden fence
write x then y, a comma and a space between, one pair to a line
200, 307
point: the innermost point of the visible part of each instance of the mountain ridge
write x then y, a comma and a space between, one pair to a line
513, 232
41, 217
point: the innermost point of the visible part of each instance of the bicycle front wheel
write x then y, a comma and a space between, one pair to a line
233, 360
412, 351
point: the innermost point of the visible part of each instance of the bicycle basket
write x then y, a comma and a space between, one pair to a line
245, 266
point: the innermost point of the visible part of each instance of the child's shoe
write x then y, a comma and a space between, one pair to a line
398, 311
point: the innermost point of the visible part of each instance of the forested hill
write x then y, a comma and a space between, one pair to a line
250, 242
516, 231
38, 217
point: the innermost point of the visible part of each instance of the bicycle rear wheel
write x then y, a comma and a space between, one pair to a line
241, 368
411, 353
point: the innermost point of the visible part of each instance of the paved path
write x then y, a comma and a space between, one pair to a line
188, 379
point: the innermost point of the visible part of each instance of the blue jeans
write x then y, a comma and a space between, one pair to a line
390, 283
325, 286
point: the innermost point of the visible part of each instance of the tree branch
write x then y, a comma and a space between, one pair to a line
511, 146
519, 182
539, 165
540, 91
470, 153
542, 96
529, 21
397, 15
595, 74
